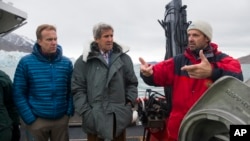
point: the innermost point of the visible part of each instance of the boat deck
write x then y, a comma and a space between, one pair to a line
133, 132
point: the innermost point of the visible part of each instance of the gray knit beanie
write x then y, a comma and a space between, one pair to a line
203, 26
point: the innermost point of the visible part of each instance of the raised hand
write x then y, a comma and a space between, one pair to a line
201, 70
145, 68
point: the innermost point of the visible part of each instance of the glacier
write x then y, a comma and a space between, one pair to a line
10, 59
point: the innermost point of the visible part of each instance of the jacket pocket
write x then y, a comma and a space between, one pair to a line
88, 122
123, 118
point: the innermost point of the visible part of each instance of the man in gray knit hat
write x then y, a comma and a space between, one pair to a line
199, 28
189, 75
202, 26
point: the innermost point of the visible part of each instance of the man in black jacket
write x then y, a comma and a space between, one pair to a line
9, 118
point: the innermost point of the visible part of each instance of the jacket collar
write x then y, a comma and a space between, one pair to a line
37, 52
209, 52
93, 50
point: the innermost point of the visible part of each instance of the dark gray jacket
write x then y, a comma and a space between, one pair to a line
8, 112
101, 91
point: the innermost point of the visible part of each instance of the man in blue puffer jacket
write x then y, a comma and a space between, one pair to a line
42, 88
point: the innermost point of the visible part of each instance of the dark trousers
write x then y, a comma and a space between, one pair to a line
121, 137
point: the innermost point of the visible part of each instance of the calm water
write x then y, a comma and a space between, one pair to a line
142, 86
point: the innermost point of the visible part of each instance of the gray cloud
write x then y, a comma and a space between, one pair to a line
135, 23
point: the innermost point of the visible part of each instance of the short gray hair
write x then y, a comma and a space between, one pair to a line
98, 29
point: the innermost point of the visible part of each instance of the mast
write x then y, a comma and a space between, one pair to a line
175, 26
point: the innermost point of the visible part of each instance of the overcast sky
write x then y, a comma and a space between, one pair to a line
135, 23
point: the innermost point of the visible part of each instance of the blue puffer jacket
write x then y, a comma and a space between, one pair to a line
42, 86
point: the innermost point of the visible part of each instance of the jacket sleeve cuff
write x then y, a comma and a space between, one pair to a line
216, 74
148, 79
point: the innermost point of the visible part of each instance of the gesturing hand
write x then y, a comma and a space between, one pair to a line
201, 70
145, 68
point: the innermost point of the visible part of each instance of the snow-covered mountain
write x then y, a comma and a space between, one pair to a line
14, 42
12, 48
